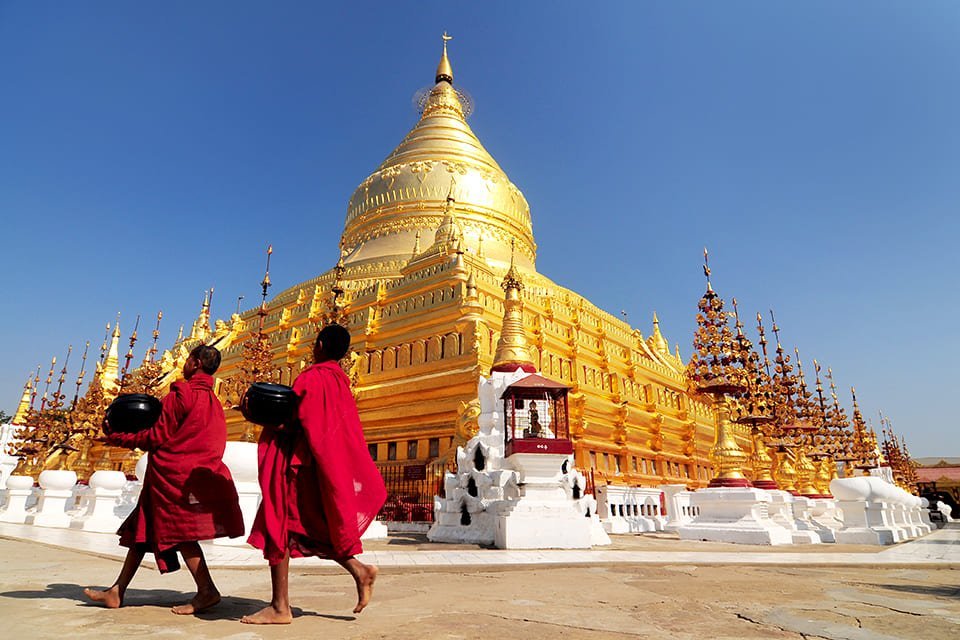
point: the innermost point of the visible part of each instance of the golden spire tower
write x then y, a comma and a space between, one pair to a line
110, 374
201, 326
24, 406
512, 352
717, 369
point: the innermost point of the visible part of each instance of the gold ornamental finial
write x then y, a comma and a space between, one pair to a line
265, 283
126, 364
83, 372
103, 347
36, 388
706, 269
152, 351
444, 70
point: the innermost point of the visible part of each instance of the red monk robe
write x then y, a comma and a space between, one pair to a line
320, 488
188, 493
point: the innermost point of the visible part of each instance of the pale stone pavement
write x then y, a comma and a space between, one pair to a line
648, 586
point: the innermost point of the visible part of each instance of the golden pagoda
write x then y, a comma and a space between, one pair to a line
429, 238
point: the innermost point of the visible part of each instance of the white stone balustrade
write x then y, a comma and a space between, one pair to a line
19, 489
56, 490
677, 502
100, 503
629, 509
876, 512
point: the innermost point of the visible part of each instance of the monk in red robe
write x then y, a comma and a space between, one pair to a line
321, 490
188, 494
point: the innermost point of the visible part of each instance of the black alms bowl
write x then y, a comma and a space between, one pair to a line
132, 412
269, 405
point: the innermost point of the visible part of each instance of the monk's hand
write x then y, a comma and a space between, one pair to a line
105, 427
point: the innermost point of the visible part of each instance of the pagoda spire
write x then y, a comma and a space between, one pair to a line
717, 369
110, 373
657, 342
24, 407
444, 70
512, 351
201, 326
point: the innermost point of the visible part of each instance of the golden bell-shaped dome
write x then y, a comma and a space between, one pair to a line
407, 193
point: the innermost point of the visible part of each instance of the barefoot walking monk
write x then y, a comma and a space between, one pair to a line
188, 494
321, 490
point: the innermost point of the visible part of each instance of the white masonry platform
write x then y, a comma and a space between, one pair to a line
734, 514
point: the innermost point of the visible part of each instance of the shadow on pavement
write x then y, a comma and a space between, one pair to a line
943, 591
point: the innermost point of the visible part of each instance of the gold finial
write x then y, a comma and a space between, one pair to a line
152, 351
129, 356
265, 283
416, 244
444, 70
36, 388
83, 372
103, 347
656, 341
46, 387
706, 269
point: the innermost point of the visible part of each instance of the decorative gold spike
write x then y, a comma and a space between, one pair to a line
444, 70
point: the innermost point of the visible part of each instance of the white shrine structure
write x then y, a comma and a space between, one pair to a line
515, 485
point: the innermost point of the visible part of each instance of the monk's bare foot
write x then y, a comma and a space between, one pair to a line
269, 615
201, 602
110, 598
365, 580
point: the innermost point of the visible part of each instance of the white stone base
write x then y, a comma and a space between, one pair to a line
781, 511
537, 525
19, 490
543, 517
241, 460
376, 531
103, 496
824, 514
874, 511
738, 515
677, 502
56, 491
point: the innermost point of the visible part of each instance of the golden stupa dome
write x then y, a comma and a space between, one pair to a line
440, 158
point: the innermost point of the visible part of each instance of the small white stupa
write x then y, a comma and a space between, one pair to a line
515, 485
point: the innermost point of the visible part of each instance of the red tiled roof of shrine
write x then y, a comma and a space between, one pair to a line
938, 474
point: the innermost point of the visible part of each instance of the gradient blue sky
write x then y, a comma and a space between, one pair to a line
151, 150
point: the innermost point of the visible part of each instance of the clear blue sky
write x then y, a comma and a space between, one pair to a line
150, 150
